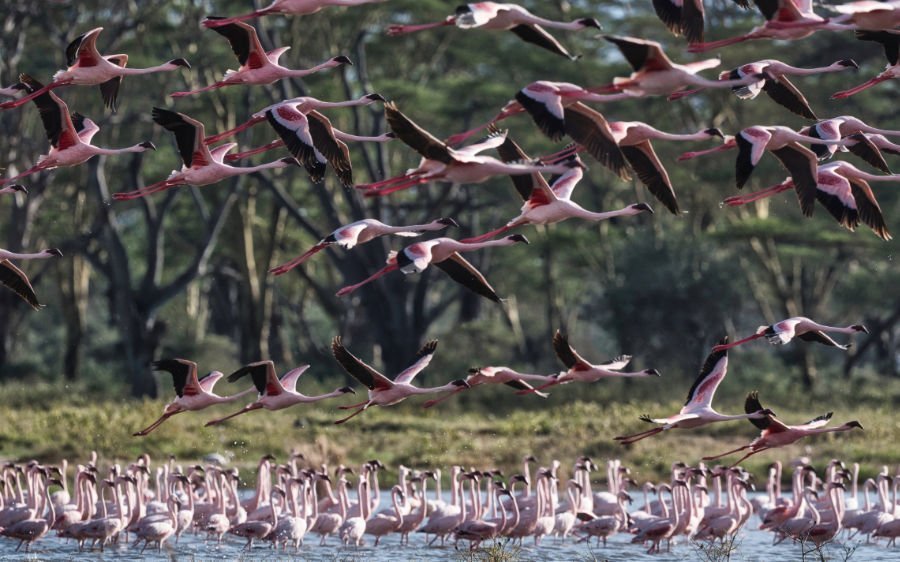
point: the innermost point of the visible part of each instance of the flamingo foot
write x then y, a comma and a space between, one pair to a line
395, 30
701, 47
285, 267
864, 86
683, 94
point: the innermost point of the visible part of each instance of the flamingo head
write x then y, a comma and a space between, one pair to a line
148, 145
589, 22
643, 207
652, 373
461, 382
849, 63
288, 160
341, 59
518, 238
859, 328
17, 187
854, 423
448, 222
345, 390
714, 132
53, 252
373, 97
180, 62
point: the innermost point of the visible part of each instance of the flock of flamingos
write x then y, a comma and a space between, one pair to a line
206, 499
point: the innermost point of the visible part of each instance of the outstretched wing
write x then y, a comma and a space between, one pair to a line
711, 375
415, 136
189, 134
509, 151
335, 151
567, 354
264, 377
184, 375
15, 279
785, 94
244, 43
652, 173
109, 90
359, 370
801, 163
591, 130
533, 33
460, 270
423, 358
817, 336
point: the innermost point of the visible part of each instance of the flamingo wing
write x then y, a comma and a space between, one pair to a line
785, 94
184, 375
817, 336
289, 380
546, 109
61, 131
801, 163
15, 279
416, 137
83, 49
464, 273
423, 358
835, 194
533, 33
769, 423
816, 422
567, 354
670, 14
713, 372
652, 173
591, 130
868, 151
521, 385
692, 20
867, 206
509, 151
359, 370
265, 379
293, 128
209, 381
890, 42
335, 151
188, 133
641, 54
109, 90
244, 43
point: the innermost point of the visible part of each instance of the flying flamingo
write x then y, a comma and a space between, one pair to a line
288, 7
15, 279
581, 370
781, 333
201, 166
360, 232
890, 40
70, 135
320, 159
495, 375
868, 147
685, 17
275, 394
192, 393
87, 67
445, 254
842, 189
505, 17
698, 410
868, 14
783, 143
785, 20
549, 204
382, 390
774, 82
777, 434
257, 66
13, 188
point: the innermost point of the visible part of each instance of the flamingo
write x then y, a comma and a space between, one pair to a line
440, 162
69, 134
656, 75
288, 7
842, 189
275, 394
191, 392
781, 333
865, 146
257, 528
257, 66
685, 17
698, 410
783, 143
868, 14
785, 20
890, 40
320, 159
495, 375
87, 67
777, 434
580, 369
505, 17
360, 232
382, 524
32, 529
15, 279
201, 166
445, 254
382, 390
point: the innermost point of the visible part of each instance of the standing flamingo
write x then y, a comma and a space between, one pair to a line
781, 333
495, 375
505, 17
890, 40
70, 135
201, 165
191, 392
685, 17
15, 279
275, 394
382, 390
87, 67
288, 7
445, 254
776, 434
360, 232
257, 66
698, 410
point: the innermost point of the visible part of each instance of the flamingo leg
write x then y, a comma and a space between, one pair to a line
234, 19
567, 152
214, 86
608, 88
683, 94
154, 425
394, 30
274, 144
701, 47
489, 235
725, 454
723, 347
738, 200
629, 439
384, 270
540, 388
353, 415
32, 170
864, 86
406, 185
244, 410
691, 155
384, 182
144, 191
458, 138
285, 267
748, 455
28, 97
435, 401
352, 406
233, 131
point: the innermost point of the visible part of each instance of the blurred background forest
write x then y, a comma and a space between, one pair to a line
184, 273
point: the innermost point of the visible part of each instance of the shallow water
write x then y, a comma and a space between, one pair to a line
751, 545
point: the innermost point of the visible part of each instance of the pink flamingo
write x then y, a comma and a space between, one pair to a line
201, 166
87, 67
698, 410
777, 434
781, 333
785, 20
288, 7
685, 17
440, 162
505, 17
580, 369
868, 14
890, 40
257, 66
191, 392
445, 254
843, 190
382, 390
275, 394
15, 279
495, 375
69, 135
865, 142
360, 232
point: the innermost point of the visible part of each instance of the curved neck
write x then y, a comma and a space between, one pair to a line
113, 151
126, 71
